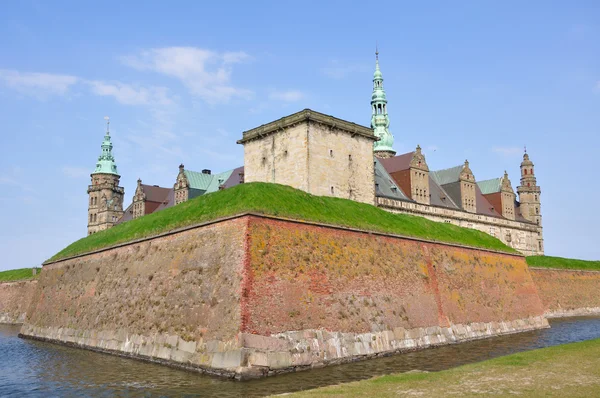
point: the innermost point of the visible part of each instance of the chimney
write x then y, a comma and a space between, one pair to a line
206, 171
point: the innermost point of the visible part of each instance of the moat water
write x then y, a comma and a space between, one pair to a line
35, 369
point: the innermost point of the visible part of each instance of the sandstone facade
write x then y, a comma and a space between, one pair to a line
313, 152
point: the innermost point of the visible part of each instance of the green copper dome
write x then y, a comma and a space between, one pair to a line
380, 121
106, 161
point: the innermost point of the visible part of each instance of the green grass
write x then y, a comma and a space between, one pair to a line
17, 274
570, 370
283, 201
564, 263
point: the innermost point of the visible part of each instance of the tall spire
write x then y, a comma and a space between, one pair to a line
106, 161
380, 121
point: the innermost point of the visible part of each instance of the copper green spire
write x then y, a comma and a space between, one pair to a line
380, 121
106, 161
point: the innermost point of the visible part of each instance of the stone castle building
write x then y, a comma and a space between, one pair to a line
324, 155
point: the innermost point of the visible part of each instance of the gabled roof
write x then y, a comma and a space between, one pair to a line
154, 193
447, 176
439, 197
484, 207
235, 178
206, 182
490, 186
398, 163
385, 185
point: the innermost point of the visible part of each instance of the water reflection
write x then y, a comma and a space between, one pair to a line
40, 369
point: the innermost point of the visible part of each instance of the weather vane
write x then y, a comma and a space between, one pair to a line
525, 147
107, 123
376, 51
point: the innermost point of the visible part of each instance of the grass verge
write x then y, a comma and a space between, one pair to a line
570, 370
284, 201
17, 274
564, 263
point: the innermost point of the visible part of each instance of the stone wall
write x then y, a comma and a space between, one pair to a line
253, 296
315, 153
524, 237
568, 292
15, 297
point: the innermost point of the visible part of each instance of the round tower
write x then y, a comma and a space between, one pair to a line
380, 121
105, 195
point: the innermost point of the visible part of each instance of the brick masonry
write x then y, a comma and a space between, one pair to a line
254, 296
568, 292
14, 300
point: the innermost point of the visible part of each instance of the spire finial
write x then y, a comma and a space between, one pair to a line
376, 52
107, 124
525, 148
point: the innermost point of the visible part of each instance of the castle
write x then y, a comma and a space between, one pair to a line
324, 155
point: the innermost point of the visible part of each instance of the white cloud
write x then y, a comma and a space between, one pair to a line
207, 74
338, 70
131, 95
40, 85
286, 96
508, 151
75, 172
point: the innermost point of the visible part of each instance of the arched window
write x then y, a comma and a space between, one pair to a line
525, 171
530, 171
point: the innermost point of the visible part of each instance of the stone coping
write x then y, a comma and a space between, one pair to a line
306, 115
564, 269
584, 311
266, 216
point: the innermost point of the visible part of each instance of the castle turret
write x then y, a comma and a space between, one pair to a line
467, 189
529, 192
529, 201
105, 195
380, 121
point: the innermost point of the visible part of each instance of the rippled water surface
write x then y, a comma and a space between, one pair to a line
31, 368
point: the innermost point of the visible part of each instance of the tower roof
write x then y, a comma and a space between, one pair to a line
380, 121
106, 161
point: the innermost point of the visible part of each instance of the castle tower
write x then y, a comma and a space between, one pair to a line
380, 121
529, 192
467, 189
105, 194
182, 186
419, 178
507, 198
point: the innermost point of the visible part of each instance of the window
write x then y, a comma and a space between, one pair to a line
331, 152
332, 189
525, 171
350, 157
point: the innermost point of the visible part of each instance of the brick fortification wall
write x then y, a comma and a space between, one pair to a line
14, 300
254, 296
568, 292
174, 298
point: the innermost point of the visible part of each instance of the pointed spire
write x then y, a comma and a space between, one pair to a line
106, 161
380, 121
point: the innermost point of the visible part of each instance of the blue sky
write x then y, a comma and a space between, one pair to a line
182, 80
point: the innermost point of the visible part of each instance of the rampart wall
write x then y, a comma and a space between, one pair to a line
15, 297
253, 296
568, 292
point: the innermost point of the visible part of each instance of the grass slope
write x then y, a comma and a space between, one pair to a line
570, 370
284, 201
564, 263
17, 274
